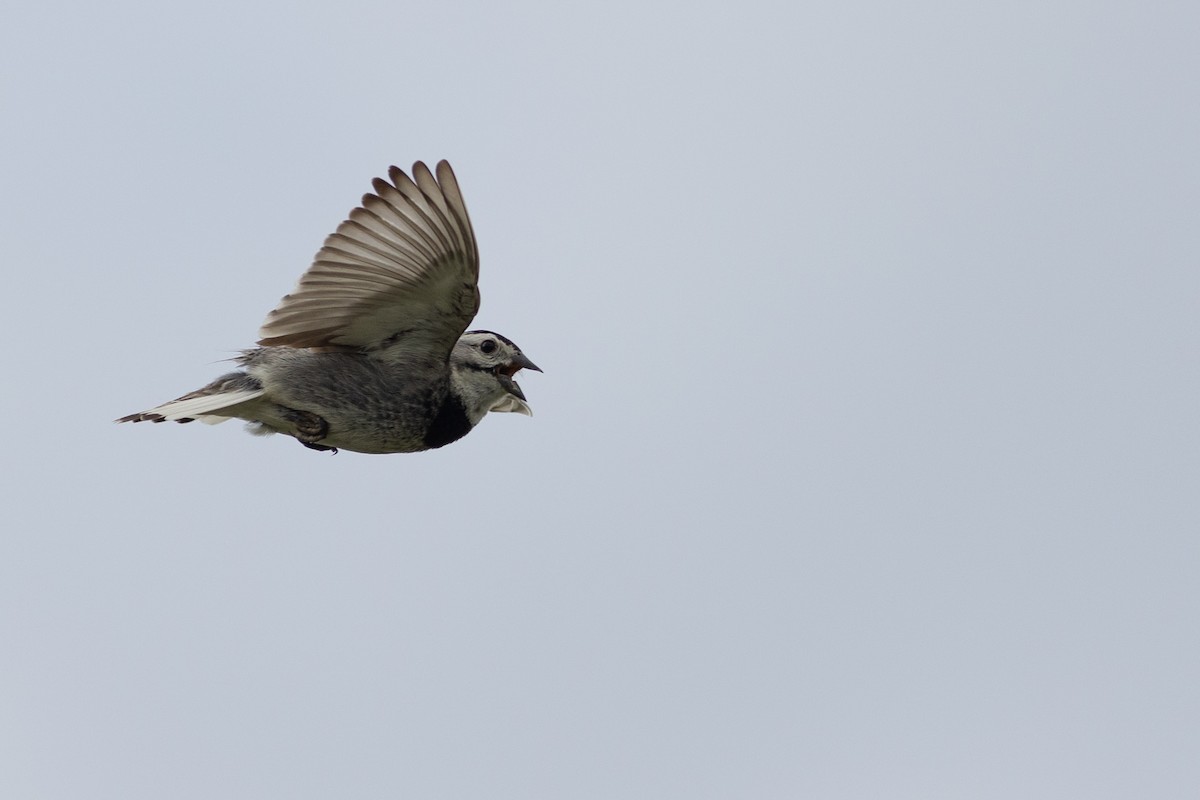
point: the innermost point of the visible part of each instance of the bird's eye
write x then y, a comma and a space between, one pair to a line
488, 346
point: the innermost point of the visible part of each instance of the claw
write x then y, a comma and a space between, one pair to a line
310, 428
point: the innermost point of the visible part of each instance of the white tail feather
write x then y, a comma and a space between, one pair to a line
203, 407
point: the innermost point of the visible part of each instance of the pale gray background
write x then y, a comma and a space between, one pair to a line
865, 461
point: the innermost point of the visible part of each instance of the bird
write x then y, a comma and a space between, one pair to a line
370, 352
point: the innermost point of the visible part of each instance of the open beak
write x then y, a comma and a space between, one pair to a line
515, 399
520, 362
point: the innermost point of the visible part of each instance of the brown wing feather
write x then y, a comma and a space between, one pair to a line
399, 276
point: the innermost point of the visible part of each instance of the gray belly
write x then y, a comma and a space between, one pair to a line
370, 407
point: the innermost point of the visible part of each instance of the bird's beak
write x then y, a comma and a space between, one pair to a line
521, 362
515, 399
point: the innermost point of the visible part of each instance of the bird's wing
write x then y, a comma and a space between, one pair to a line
398, 277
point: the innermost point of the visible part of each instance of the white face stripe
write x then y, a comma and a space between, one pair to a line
469, 353
483, 333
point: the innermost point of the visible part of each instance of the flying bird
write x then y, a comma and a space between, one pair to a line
371, 351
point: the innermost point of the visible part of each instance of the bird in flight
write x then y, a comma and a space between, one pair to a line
371, 351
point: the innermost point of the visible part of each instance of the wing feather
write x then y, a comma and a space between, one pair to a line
398, 276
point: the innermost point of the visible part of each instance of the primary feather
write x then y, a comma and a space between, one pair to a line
400, 272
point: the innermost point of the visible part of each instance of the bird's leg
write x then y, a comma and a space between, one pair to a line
310, 428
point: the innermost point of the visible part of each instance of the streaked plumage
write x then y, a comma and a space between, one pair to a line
369, 352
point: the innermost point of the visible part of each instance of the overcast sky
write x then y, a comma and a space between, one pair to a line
864, 464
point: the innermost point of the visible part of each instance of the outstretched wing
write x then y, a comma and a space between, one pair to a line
398, 277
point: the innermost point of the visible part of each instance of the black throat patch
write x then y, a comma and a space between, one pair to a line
449, 424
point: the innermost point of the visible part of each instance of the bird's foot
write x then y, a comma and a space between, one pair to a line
310, 428
322, 447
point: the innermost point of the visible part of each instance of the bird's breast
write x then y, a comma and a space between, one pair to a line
449, 424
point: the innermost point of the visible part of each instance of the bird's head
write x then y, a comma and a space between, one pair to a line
483, 365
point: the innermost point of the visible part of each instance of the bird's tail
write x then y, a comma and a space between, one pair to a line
204, 404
